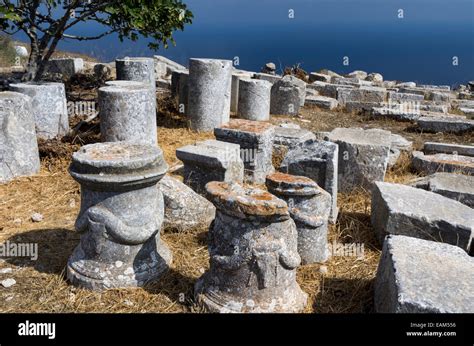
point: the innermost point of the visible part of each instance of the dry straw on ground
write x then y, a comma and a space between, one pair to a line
343, 284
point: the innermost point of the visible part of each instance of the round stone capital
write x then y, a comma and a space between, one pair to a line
291, 185
118, 166
246, 202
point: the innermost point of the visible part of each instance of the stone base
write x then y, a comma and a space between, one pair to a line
134, 271
211, 299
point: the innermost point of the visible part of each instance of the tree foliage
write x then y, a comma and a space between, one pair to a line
47, 22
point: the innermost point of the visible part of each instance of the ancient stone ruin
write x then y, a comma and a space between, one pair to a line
253, 254
49, 107
121, 216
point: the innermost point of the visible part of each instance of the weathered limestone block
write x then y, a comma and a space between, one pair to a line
397, 145
364, 94
404, 97
184, 208
49, 107
253, 254
327, 89
283, 95
357, 74
164, 67
66, 67
454, 124
400, 112
441, 109
438, 96
435, 87
254, 99
447, 148
364, 107
18, 146
322, 102
459, 187
127, 113
420, 276
180, 89
309, 206
469, 112
374, 77
329, 73
211, 161
256, 141
314, 76
209, 96
103, 72
268, 77
317, 160
137, 69
430, 164
363, 156
404, 210
120, 218
236, 77
354, 82
406, 85
289, 137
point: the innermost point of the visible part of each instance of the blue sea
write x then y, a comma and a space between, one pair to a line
426, 41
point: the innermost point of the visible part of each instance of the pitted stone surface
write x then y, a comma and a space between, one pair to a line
287, 96
49, 107
290, 137
127, 113
67, 67
430, 164
120, 218
309, 206
236, 77
404, 210
317, 160
209, 96
397, 112
459, 187
419, 276
211, 160
18, 146
364, 94
363, 156
184, 208
253, 254
137, 69
256, 141
450, 124
447, 148
322, 102
254, 99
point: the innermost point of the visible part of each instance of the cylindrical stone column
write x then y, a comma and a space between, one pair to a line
253, 254
137, 69
309, 207
18, 146
127, 113
120, 218
209, 93
254, 99
49, 107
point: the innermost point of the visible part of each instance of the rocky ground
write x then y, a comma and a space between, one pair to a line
343, 284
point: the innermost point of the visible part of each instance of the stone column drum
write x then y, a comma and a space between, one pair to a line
209, 93
254, 99
18, 146
127, 113
137, 69
309, 207
49, 107
256, 146
121, 215
253, 254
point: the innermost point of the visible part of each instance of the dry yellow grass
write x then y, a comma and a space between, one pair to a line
343, 284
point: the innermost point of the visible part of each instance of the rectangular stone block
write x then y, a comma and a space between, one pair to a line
67, 67
420, 276
210, 161
404, 210
362, 94
322, 102
256, 143
446, 148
